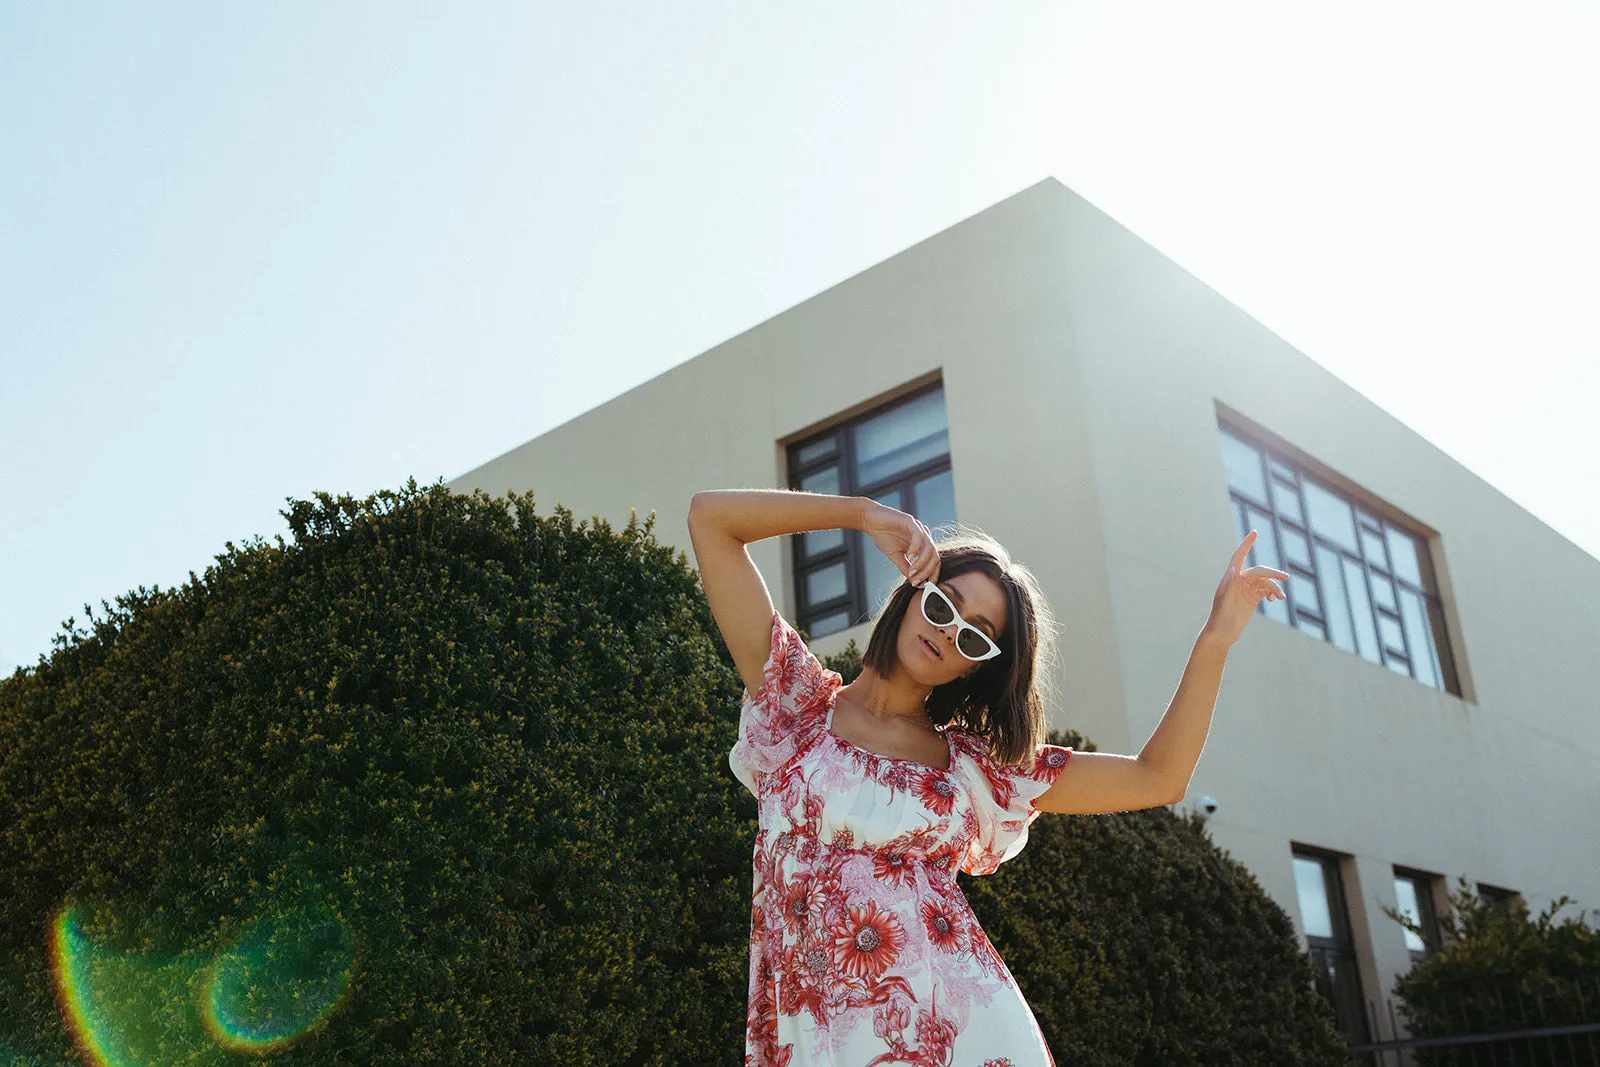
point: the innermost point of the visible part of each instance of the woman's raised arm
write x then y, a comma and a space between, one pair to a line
721, 523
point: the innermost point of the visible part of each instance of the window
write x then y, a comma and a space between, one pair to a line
898, 455
1495, 897
1414, 891
1355, 579
1320, 893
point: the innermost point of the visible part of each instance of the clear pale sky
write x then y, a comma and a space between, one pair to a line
249, 251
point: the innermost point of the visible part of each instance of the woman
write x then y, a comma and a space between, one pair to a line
872, 795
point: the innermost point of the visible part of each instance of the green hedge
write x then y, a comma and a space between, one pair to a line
1500, 970
493, 747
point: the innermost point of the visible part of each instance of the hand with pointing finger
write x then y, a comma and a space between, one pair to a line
1239, 593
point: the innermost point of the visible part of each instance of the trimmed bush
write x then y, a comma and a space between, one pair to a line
493, 743
1500, 970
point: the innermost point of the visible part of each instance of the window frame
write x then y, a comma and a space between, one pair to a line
1422, 887
1370, 518
851, 548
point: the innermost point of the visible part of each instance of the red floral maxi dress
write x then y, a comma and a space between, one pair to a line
863, 950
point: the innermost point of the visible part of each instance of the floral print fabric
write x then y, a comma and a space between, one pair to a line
863, 950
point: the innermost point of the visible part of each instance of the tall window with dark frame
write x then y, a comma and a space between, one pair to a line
1329, 938
1356, 579
898, 455
1413, 892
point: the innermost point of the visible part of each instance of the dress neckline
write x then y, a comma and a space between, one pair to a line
950, 748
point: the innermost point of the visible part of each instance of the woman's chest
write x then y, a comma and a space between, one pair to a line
839, 795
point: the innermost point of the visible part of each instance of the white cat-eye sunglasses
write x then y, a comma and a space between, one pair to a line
971, 642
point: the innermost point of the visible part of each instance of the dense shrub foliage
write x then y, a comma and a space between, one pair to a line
495, 745
1500, 970
495, 742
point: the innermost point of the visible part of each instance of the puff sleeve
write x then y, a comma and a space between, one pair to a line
1003, 800
787, 712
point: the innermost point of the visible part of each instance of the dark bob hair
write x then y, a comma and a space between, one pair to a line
1003, 700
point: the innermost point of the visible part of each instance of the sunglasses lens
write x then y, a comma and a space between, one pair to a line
938, 609
971, 644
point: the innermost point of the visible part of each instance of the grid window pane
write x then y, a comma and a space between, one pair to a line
1393, 640
1330, 516
1403, 551
1405, 890
1383, 592
1312, 891
1331, 575
829, 624
936, 500
1303, 592
1286, 498
901, 437
823, 446
1355, 582
1295, 548
825, 480
1416, 625
1372, 545
825, 583
1312, 627
816, 542
1242, 462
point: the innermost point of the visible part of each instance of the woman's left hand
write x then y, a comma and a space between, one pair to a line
1240, 592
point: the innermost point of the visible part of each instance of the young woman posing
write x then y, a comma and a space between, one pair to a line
872, 795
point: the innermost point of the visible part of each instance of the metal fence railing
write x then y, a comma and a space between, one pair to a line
1557, 1025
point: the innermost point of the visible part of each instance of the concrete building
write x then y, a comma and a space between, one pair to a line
1422, 707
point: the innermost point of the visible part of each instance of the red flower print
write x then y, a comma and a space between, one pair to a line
798, 902
891, 1019
868, 941
936, 793
936, 1034
942, 923
893, 867
805, 985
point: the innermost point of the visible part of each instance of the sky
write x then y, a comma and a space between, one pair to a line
250, 252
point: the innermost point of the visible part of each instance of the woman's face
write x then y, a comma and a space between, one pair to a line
979, 600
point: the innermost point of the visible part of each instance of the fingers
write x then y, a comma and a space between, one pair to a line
1268, 589
923, 559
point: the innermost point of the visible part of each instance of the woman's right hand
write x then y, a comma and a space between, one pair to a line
905, 540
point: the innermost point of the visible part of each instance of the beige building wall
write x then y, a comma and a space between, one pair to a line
1084, 377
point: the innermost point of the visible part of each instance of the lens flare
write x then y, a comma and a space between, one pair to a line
280, 982
271, 988
125, 1008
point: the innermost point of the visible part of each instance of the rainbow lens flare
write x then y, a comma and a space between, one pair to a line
125, 1008
274, 986
279, 982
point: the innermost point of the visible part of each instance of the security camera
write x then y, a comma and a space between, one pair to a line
1206, 805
